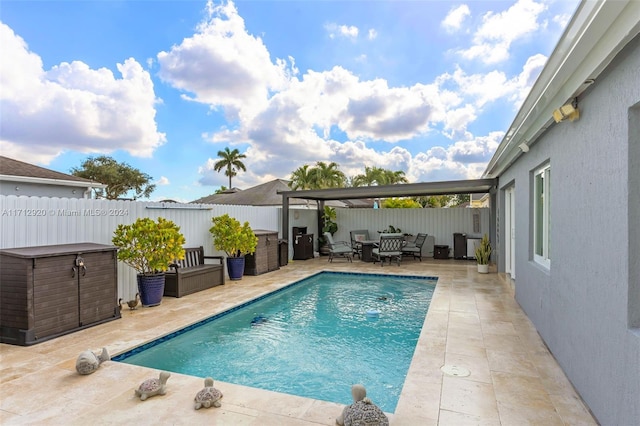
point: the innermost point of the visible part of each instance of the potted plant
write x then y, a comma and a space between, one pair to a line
483, 253
235, 240
149, 247
329, 225
391, 230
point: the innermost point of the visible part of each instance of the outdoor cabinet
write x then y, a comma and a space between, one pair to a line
265, 258
302, 243
303, 247
283, 252
459, 245
440, 252
48, 291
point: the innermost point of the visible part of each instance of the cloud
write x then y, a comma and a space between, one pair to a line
492, 41
162, 181
455, 18
347, 31
465, 159
525, 80
372, 34
562, 20
282, 119
490, 87
72, 107
223, 65
210, 177
458, 119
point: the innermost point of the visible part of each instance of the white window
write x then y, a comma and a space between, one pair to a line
541, 216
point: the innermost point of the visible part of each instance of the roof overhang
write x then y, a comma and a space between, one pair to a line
46, 181
597, 32
477, 186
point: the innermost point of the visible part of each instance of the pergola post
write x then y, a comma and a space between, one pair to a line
285, 217
320, 218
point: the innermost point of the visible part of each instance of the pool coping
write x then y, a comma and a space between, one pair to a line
472, 319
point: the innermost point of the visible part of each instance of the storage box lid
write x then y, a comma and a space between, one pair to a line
56, 250
263, 232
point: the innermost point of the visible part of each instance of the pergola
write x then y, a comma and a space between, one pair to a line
473, 186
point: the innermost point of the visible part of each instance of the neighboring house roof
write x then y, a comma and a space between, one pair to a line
265, 194
597, 32
365, 203
209, 198
19, 171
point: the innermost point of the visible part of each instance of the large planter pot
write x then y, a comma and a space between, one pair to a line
235, 267
151, 288
483, 269
324, 250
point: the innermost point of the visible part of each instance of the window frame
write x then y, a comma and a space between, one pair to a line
541, 237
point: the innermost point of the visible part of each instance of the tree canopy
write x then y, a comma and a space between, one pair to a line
231, 162
443, 200
378, 176
401, 203
120, 178
320, 176
328, 175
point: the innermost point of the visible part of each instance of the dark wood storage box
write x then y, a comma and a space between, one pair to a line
265, 259
48, 291
440, 252
303, 246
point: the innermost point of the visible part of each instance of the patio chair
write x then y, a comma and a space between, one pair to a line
356, 238
390, 246
339, 248
415, 248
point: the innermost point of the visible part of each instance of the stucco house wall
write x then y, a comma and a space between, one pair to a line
42, 190
586, 306
25, 179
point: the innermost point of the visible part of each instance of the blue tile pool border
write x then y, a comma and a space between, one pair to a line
161, 339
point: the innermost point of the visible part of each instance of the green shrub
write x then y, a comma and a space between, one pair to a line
400, 203
149, 246
230, 236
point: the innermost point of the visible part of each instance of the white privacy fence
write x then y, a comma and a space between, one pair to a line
440, 223
35, 221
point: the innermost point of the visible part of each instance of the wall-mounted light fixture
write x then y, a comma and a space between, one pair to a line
524, 147
567, 112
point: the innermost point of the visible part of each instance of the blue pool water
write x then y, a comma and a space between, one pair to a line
314, 338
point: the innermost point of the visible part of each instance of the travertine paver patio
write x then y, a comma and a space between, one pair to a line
473, 322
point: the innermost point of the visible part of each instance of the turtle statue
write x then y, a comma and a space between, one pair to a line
88, 362
362, 412
151, 387
208, 396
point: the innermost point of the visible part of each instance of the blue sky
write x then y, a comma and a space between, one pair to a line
427, 87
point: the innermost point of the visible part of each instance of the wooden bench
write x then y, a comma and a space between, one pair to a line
192, 274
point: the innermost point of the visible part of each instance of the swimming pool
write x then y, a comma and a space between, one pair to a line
314, 338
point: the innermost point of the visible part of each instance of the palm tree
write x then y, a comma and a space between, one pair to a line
231, 162
328, 175
370, 177
379, 176
392, 178
301, 178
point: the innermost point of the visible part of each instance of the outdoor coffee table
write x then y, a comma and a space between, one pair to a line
367, 247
